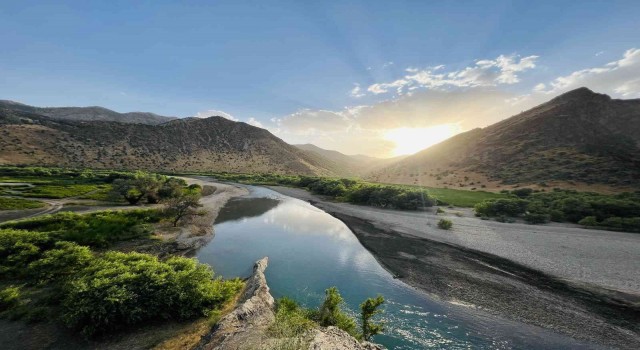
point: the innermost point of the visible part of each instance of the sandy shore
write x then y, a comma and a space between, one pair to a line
583, 283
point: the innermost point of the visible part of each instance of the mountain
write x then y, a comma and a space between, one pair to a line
87, 113
346, 165
192, 144
580, 137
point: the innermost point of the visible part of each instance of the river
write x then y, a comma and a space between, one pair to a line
309, 251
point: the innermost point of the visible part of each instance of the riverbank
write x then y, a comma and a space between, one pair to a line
562, 278
166, 241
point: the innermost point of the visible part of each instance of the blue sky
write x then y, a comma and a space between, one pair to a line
274, 61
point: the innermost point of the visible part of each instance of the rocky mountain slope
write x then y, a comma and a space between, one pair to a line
347, 165
87, 113
192, 144
580, 137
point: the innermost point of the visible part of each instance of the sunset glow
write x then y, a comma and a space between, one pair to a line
412, 140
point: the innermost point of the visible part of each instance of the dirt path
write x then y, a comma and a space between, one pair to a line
582, 283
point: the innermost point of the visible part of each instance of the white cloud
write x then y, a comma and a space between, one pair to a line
471, 97
253, 121
356, 91
213, 112
502, 70
539, 88
619, 78
361, 129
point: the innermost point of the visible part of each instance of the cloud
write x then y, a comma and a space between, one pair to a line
356, 91
213, 112
471, 97
619, 78
499, 71
362, 129
253, 121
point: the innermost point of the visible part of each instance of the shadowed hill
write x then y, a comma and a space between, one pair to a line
93, 113
211, 144
346, 165
577, 137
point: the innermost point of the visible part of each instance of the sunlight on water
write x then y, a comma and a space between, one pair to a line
310, 251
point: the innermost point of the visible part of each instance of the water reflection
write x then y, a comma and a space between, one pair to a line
242, 208
310, 250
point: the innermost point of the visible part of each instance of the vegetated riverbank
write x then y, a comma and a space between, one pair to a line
32, 320
579, 282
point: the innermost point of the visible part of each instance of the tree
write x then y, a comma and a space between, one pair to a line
182, 206
370, 308
331, 314
136, 188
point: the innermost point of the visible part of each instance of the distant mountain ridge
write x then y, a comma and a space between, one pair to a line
346, 165
93, 113
191, 144
578, 137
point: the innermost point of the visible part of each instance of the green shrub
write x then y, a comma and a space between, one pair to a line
439, 211
9, 297
132, 288
97, 229
291, 319
504, 206
537, 218
7, 203
61, 262
368, 309
589, 221
445, 224
331, 314
522, 192
19, 248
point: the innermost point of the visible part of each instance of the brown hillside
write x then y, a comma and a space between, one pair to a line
212, 144
580, 137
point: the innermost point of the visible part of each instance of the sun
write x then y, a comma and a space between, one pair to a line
412, 140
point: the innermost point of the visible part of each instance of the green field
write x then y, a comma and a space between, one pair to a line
19, 203
462, 198
60, 191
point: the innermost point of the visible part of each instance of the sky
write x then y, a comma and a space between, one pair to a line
381, 78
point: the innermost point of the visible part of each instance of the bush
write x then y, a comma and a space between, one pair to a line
131, 288
291, 319
98, 229
368, 309
19, 248
522, 192
61, 262
589, 221
537, 218
9, 297
445, 224
331, 314
504, 206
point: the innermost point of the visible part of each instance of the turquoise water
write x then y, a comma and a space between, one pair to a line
309, 251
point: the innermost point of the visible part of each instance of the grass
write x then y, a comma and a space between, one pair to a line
99, 229
101, 194
462, 198
19, 203
60, 191
458, 198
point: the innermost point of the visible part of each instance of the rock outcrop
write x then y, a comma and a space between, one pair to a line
246, 327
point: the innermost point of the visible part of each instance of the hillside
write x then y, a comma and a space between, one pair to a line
580, 137
87, 113
211, 144
347, 165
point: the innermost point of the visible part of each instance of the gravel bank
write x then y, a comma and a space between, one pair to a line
584, 283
